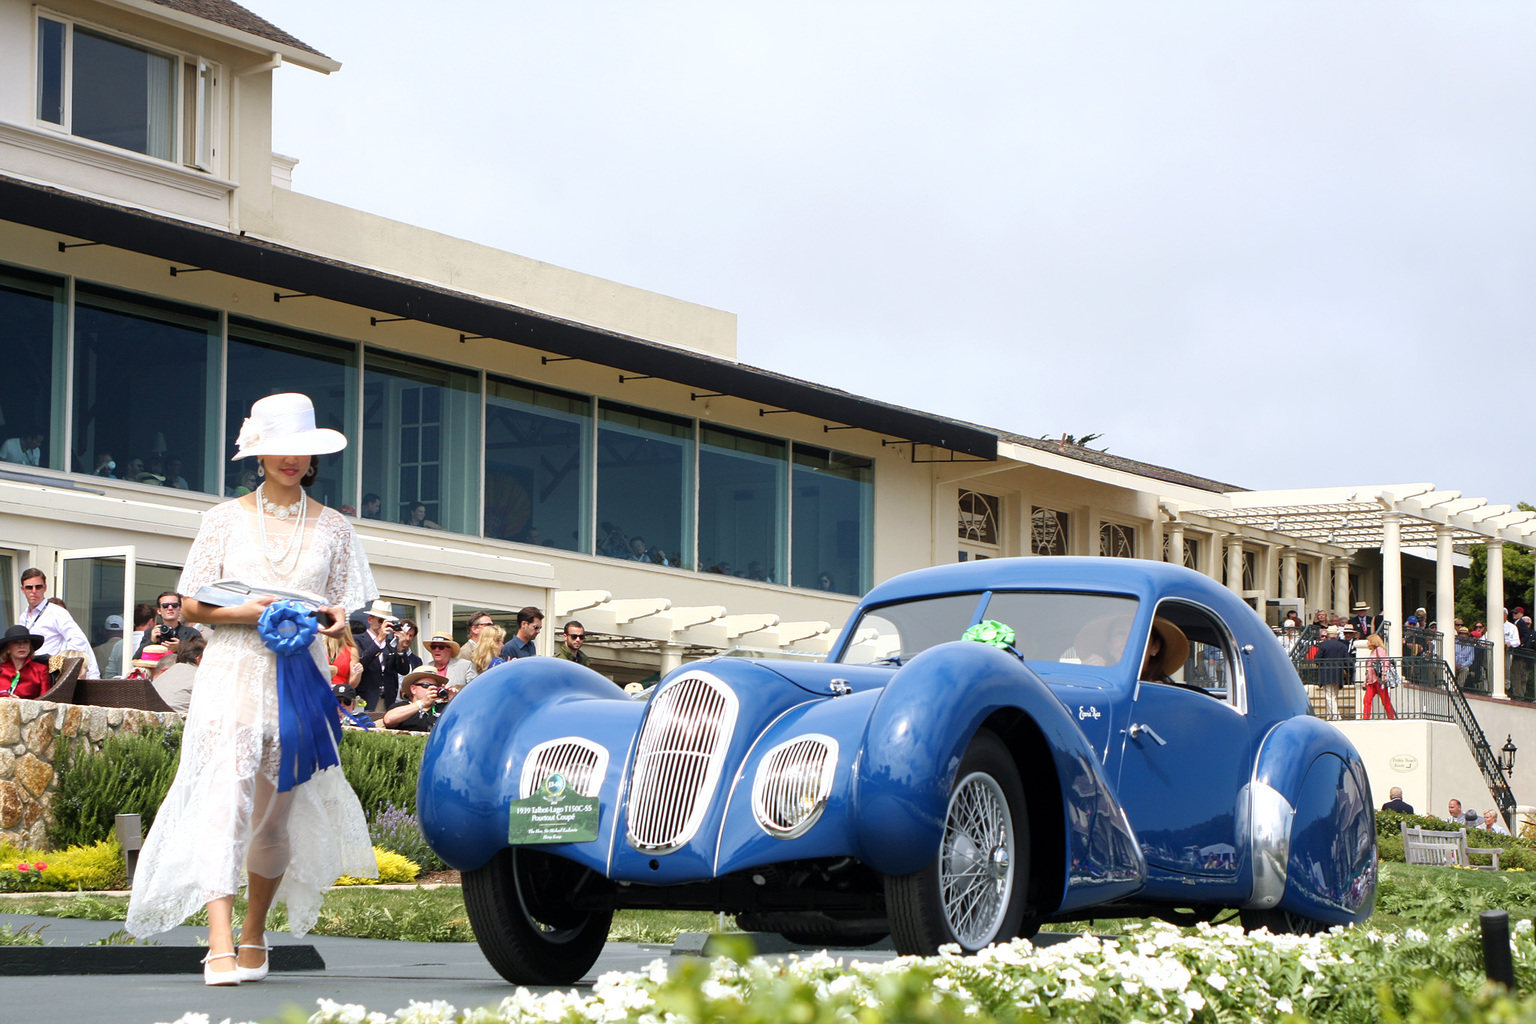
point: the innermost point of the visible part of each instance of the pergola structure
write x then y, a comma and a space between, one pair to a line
1392, 517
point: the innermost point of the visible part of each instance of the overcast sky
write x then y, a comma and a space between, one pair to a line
1277, 244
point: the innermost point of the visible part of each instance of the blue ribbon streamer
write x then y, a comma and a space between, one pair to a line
308, 728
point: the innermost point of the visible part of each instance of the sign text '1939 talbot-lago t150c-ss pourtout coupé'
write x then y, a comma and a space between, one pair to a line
990, 746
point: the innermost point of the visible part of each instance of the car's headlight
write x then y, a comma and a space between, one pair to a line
793, 782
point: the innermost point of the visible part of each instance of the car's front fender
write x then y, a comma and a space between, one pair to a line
917, 733
470, 768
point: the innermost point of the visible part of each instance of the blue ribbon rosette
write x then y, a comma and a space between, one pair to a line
308, 728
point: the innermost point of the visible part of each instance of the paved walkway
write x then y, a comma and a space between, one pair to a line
381, 975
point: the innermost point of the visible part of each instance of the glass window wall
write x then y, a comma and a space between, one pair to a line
33, 322
146, 389
644, 486
421, 433
538, 478
834, 496
743, 505
264, 360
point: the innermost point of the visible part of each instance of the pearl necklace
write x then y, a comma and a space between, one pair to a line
275, 510
285, 560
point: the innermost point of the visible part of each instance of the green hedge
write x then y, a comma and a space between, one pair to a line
129, 775
132, 772
1517, 852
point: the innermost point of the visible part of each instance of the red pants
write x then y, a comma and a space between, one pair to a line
1374, 690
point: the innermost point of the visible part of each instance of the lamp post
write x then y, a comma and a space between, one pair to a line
1507, 755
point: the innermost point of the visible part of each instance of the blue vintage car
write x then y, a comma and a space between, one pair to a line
1127, 738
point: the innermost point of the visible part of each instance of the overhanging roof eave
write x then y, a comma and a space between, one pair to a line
267, 263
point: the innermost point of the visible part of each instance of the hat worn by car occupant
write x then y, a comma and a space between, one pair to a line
285, 425
444, 638
20, 632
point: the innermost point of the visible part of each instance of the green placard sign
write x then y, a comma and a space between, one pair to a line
555, 814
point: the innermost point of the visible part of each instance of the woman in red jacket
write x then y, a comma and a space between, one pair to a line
20, 675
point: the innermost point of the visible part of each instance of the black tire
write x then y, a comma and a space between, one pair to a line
1279, 922
812, 928
986, 838
522, 925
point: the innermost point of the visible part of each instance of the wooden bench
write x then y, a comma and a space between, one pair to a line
1444, 849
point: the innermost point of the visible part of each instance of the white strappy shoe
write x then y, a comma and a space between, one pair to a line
254, 973
213, 977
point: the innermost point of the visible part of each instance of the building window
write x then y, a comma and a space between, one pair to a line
644, 486
147, 389
538, 478
124, 94
421, 442
33, 321
1049, 532
1191, 554
1303, 580
265, 360
978, 517
743, 505
1117, 540
833, 507
1250, 570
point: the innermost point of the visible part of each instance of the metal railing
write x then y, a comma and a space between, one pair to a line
1474, 676
1417, 692
1424, 688
1520, 674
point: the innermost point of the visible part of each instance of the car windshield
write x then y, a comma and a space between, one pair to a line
1051, 626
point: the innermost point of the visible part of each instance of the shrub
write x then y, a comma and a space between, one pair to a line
129, 775
382, 768
1517, 852
395, 828
98, 866
393, 870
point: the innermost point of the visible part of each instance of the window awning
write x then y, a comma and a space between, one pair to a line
251, 259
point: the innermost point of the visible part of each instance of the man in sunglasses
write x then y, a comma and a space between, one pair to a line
60, 632
170, 630
571, 640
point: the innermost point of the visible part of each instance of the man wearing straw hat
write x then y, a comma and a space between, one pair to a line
380, 653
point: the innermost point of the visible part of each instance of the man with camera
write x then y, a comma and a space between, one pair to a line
169, 630
429, 694
380, 652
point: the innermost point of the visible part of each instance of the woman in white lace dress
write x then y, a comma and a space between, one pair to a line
224, 817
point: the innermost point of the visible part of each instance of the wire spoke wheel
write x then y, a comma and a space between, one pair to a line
972, 893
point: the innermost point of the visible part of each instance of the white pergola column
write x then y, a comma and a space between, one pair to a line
1235, 565
671, 656
1175, 534
1493, 616
1287, 572
1392, 578
1341, 586
1445, 594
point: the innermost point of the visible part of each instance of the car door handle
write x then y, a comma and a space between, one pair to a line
1137, 729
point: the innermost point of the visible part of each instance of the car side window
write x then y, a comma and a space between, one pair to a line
1209, 664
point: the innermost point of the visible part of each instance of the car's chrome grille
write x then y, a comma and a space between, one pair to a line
582, 763
678, 761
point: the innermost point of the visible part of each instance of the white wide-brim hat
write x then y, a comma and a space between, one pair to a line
285, 425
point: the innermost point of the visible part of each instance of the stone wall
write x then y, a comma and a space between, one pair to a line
29, 739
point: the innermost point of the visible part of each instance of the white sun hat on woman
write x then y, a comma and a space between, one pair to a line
285, 425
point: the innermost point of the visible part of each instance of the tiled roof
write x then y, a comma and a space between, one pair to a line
1108, 461
232, 15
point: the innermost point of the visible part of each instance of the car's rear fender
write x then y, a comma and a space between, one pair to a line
1314, 830
473, 761
919, 730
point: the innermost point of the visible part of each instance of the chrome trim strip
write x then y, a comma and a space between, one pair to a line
1271, 816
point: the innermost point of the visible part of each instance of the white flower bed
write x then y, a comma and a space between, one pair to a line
1153, 973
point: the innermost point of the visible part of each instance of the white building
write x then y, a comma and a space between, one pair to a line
158, 272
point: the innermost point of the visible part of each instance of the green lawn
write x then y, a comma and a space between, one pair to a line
412, 915
1409, 896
